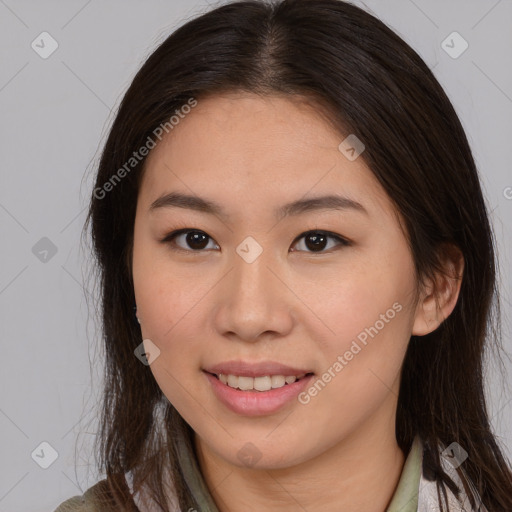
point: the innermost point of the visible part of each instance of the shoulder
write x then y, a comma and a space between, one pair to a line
108, 495
83, 503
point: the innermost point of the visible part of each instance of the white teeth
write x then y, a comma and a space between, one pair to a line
265, 383
277, 381
245, 383
233, 381
262, 383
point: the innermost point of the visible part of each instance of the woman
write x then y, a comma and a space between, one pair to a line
289, 202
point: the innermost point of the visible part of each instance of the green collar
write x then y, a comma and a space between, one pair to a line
405, 498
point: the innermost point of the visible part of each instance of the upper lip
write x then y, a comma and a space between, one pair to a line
261, 369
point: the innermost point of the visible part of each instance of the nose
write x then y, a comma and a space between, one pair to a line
253, 301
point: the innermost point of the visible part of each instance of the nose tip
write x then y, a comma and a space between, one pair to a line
253, 302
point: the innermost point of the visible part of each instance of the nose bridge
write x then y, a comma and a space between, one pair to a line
252, 277
253, 300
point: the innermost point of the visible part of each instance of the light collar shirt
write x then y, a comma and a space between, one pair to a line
414, 492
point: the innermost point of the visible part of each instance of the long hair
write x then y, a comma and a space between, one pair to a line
370, 83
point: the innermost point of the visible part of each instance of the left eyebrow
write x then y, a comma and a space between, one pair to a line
298, 207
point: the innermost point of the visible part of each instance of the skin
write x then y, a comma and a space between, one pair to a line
252, 154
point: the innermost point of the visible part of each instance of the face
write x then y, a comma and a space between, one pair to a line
324, 289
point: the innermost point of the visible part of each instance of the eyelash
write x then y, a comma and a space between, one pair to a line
170, 237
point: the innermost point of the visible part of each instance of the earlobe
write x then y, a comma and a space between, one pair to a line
440, 295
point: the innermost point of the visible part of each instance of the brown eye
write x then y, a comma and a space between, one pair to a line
190, 239
317, 241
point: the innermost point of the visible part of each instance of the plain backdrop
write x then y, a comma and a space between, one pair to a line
55, 113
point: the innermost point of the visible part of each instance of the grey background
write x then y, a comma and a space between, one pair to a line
55, 113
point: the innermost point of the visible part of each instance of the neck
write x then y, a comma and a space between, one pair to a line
361, 472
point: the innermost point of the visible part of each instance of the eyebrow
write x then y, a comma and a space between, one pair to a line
328, 202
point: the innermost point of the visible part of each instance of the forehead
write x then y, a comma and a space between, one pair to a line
245, 149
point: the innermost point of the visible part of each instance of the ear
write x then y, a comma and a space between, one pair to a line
439, 296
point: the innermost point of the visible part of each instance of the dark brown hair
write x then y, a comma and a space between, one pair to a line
369, 83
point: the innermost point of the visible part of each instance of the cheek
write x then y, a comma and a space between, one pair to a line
361, 298
361, 364
368, 313
169, 305
169, 313
169, 319
157, 286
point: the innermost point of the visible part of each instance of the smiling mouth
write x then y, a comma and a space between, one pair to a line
258, 384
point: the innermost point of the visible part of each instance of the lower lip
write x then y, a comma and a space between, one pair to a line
256, 403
